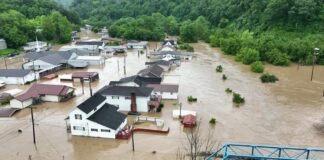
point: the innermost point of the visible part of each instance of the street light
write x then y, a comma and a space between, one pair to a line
315, 54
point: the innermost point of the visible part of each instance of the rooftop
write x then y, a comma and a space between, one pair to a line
151, 71
91, 103
95, 43
125, 91
141, 81
108, 116
164, 87
14, 72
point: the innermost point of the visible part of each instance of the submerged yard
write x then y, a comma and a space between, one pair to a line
279, 114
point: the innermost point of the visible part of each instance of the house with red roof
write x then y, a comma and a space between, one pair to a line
42, 92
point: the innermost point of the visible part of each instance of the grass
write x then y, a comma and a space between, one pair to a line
8, 51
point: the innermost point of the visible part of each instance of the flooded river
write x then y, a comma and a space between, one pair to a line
279, 114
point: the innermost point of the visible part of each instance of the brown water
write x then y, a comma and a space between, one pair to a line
282, 113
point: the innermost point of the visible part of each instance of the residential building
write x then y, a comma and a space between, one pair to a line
154, 71
133, 44
34, 46
166, 91
42, 92
96, 118
136, 81
121, 96
169, 42
166, 65
95, 46
87, 76
17, 76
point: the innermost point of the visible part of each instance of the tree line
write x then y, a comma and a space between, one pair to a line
276, 31
19, 20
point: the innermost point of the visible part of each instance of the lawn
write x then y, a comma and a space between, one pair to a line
7, 51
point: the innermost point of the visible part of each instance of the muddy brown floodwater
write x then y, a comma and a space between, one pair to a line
279, 114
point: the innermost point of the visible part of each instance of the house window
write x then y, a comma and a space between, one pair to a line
114, 97
78, 116
171, 93
78, 128
105, 130
94, 130
127, 97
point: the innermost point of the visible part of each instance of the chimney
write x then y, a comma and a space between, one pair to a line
133, 103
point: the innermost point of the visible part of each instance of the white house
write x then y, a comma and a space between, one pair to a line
121, 96
17, 76
45, 60
166, 91
133, 44
92, 60
96, 118
42, 92
3, 44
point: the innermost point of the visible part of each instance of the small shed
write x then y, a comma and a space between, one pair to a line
189, 121
88, 76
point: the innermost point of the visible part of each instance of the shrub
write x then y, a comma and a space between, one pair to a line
161, 105
212, 121
278, 58
141, 52
224, 77
159, 109
219, 68
112, 43
238, 99
228, 90
268, 78
191, 99
249, 55
187, 47
257, 67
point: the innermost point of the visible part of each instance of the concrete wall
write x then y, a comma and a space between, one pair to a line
125, 104
14, 103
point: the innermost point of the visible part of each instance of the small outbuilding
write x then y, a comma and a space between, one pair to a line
189, 121
17, 76
87, 76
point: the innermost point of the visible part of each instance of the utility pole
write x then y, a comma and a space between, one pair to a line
316, 53
180, 110
133, 140
32, 116
90, 86
4, 58
82, 85
125, 66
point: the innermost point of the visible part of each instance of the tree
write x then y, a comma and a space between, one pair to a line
188, 32
257, 67
248, 56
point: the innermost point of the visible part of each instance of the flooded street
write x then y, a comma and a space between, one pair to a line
279, 114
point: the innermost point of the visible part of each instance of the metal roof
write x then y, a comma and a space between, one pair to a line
91, 103
126, 91
14, 72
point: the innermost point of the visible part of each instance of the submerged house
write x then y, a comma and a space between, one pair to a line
133, 44
166, 65
124, 96
166, 91
42, 92
154, 71
96, 118
17, 76
136, 81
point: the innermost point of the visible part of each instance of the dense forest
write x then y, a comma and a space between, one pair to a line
276, 31
20, 19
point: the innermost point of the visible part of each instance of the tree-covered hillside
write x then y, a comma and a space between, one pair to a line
19, 20
276, 31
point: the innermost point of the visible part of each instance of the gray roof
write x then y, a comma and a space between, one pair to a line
126, 91
52, 57
159, 62
14, 72
141, 81
108, 116
151, 71
91, 103
94, 43
164, 87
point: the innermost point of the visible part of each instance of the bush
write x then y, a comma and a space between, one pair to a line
191, 99
257, 67
212, 121
161, 105
278, 58
141, 52
219, 69
249, 55
224, 77
186, 46
228, 90
112, 43
268, 78
159, 109
238, 99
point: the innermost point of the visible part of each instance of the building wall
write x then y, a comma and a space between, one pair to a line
136, 46
99, 133
125, 104
130, 84
39, 65
3, 44
166, 95
51, 98
78, 123
14, 103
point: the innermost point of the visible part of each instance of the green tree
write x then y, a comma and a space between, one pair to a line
257, 67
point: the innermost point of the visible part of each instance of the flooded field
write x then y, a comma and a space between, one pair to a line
280, 114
